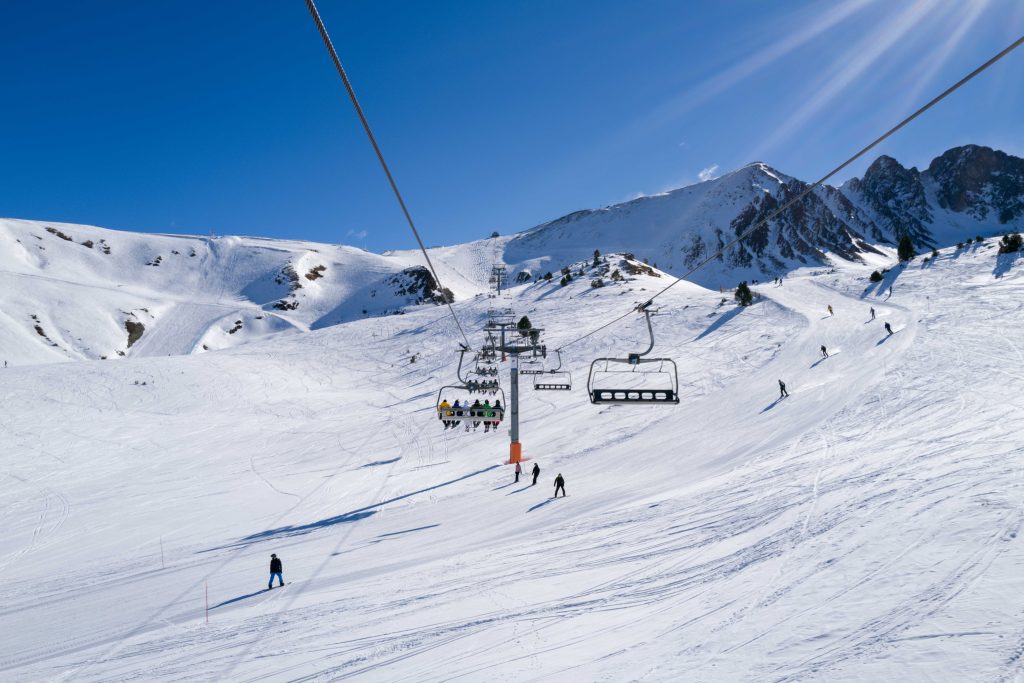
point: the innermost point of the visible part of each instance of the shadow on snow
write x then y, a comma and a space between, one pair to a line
407, 531
1003, 263
722, 320
239, 598
344, 518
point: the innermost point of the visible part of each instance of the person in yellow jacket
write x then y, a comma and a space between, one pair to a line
444, 410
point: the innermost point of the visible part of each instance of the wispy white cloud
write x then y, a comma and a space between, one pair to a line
357, 234
708, 173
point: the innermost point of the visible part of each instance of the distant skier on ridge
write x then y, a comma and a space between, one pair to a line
275, 570
782, 389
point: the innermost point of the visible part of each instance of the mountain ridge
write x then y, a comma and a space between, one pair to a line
160, 294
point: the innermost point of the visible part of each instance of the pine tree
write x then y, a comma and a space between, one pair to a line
1010, 244
743, 294
524, 326
597, 258
905, 250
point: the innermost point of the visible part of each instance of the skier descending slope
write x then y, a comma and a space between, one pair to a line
536, 473
888, 328
559, 485
824, 351
275, 570
782, 389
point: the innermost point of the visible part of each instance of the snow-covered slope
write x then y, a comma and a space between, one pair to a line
866, 528
71, 292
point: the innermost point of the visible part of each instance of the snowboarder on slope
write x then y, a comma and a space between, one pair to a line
275, 570
782, 389
536, 473
888, 328
519, 470
824, 351
872, 312
559, 485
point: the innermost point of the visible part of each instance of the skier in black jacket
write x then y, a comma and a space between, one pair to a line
536, 473
275, 570
782, 389
559, 485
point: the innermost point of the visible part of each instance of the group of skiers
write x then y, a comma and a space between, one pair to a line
490, 415
559, 481
824, 350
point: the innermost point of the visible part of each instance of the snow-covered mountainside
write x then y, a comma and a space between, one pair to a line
966, 192
867, 527
70, 292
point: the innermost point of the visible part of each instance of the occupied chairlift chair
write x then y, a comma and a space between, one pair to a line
466, 413
639, 367
553, 380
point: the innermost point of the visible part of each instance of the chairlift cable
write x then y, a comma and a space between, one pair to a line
810, 188
380, 156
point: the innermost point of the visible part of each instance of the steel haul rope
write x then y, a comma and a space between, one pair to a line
810, 188
380, 157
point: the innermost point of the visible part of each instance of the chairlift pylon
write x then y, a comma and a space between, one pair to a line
641, 371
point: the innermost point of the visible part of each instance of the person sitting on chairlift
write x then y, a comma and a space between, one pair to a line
442, 412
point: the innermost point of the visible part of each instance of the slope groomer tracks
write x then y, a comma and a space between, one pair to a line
157, 620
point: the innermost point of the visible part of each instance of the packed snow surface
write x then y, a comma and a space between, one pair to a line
865, 528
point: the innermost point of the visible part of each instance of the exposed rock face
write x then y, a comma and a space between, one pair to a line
417, 283
135, 330
966, 191
964, 185
979, 181
896, 197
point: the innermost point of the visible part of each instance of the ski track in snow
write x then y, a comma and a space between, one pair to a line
865, 528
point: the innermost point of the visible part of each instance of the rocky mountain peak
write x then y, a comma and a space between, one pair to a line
979, 181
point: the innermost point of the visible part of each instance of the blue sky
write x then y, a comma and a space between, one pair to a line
227, 116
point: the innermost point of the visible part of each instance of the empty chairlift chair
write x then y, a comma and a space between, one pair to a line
531, 367
553, 380
634, 379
